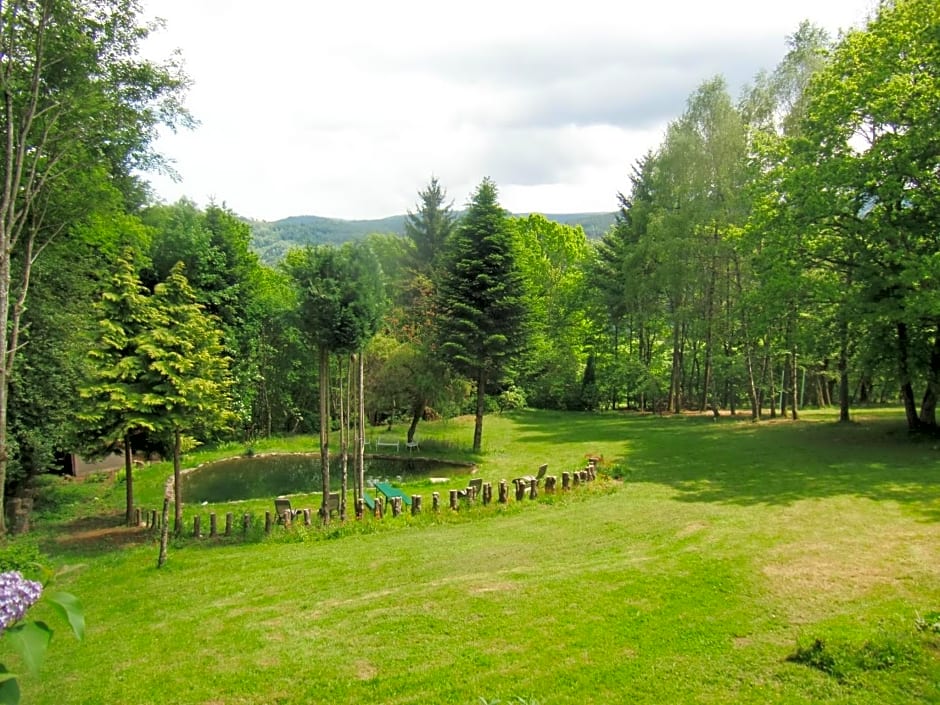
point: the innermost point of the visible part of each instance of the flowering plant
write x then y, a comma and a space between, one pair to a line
29, 638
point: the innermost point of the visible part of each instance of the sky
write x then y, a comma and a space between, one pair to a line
346, 109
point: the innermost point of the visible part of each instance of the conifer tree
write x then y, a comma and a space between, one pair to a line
114, 399
186, 372
430, 227
482, 321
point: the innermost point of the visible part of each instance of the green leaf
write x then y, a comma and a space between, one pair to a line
70, 608
9, 688
31, 641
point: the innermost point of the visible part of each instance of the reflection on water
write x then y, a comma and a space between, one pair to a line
273, 475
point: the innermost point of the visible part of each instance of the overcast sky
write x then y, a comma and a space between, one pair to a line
346, 109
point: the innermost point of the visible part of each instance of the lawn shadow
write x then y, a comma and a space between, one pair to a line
733, 460
93, 535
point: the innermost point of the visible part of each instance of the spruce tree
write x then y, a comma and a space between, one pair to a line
482, 321
430, 227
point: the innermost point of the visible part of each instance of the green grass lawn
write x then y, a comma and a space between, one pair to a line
728, 562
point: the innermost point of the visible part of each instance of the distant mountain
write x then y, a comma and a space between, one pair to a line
272, 239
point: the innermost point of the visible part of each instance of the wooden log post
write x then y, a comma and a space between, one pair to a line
197, 527
487, 493
454, 500
246, 523
267, 522
436, 502
377, 509
164, 532
520, 485
550, 481
396, 506
566, 481
137, 517
360, 508
308, 516
153, 518
415, 504
213, 526
575, 478
533, 488
229, 519
503, 492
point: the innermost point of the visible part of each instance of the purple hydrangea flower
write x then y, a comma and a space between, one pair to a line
17, 594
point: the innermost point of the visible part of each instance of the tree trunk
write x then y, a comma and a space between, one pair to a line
361, 426
4, 371
129, 480
417, 411
844, 372
795, 386
481, 407
904, 377
164, 532
675, 382
344, 404
771, 376
752, 392
928, 407
325, 432
177, 490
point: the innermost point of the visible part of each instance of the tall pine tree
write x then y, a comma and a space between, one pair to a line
482, 321
430, 227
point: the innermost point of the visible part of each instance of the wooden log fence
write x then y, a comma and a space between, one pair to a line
523, 486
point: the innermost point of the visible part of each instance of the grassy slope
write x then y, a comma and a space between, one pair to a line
727, 544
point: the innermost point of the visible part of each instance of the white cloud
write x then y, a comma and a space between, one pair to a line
347, 109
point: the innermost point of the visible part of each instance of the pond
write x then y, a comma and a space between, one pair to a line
279, 474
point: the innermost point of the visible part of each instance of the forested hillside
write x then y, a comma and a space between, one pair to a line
272, 239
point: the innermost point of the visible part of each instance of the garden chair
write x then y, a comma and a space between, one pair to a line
285, 514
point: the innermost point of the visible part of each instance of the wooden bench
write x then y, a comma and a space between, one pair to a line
379, 443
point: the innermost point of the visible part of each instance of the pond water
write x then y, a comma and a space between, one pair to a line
279, 474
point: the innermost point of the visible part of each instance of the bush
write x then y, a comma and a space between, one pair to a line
23, 555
